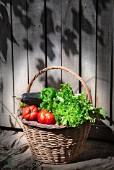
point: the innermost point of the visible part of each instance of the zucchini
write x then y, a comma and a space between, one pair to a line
31, 98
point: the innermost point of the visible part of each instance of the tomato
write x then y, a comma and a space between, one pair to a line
30, 112
46, 117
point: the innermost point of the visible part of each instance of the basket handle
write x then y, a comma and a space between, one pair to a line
62, 68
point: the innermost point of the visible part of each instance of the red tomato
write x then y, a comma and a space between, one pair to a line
30, 112
46, 117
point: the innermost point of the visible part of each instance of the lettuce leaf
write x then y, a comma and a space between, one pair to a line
72, 110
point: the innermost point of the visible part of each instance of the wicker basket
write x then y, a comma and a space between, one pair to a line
55, 144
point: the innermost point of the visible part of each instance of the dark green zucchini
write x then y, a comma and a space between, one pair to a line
31, 98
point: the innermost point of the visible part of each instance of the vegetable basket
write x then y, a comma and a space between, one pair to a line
56, 144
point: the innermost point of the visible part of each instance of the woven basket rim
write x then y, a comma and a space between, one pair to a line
44, 126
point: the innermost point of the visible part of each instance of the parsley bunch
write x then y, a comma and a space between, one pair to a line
72, 110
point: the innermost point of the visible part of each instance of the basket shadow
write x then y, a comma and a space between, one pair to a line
100, 143
94, 149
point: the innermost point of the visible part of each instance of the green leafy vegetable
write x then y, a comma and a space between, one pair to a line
69, 109
47, 95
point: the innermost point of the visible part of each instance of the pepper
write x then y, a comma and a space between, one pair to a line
22, 104
48, 93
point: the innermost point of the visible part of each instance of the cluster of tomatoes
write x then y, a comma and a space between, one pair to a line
32, 113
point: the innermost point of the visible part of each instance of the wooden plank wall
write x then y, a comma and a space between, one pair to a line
35, 34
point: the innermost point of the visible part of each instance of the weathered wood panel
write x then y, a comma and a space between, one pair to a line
6, 74
104, 46
53, 41
19, 55
70, 41
112, 102
35, 42
88, 44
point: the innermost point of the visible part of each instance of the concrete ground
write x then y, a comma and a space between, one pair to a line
16, 155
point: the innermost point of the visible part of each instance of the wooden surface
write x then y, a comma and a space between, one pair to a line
53, 41
15, 154
70, 41
104, 54
35, 34
6, 72
88, 44
36, 41
112, 61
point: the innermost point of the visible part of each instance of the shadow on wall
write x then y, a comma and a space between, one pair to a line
69, 35
48, 29
5, 32
21, 8
102, 6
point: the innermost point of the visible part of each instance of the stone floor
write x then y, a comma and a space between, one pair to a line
15, 154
